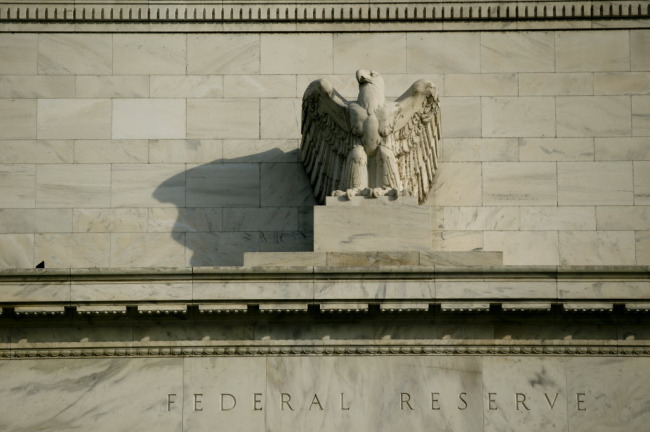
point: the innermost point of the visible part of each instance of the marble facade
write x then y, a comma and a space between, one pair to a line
149, 156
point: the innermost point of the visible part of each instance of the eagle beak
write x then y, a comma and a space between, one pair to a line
363, 76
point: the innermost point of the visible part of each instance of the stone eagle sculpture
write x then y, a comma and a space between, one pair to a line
370, 147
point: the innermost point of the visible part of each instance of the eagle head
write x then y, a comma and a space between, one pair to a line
369, 77
371, 89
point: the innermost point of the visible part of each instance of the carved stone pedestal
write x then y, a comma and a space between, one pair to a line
382, 224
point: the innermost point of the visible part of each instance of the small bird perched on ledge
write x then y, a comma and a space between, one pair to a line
370, 146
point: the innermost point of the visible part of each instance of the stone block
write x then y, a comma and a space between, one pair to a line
438, 52
481, 84
149, 54
75, 54
14, 221
524, 183
375, 225
382, 52
597, 183
524, 247
267, 150
622, 149
552, 84
185, 219
223, 118
77, 250
284, 259
227, 54
285, 184
34, 86
640, 50
73, 185
592, 51
462, 116
52, 220
642, 247
219, 249
36, 151
461, 258
110, 220
103, 399
457, 240
514, 373
457, 184
597, 248
296, 54
641, 116
641, 183
517, 52
286, 241
260, 219
593, 116
264, 86
480, 218
74, 118
185, 151
147, 185
462, 289
17, 186
556, 149
622, 83
280, 118
18, 118
364, 259
111, 151
187, 86
223, 185
558, 218
632, 218
146, 250
16, 251
109, 86
19, 53
148, 118
479, 149
518, 117
209, 377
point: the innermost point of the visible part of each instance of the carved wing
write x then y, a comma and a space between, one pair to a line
326, 137
416, 133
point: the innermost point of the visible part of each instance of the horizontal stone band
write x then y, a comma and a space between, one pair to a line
311, 13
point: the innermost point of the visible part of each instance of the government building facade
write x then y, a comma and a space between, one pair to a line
165, 265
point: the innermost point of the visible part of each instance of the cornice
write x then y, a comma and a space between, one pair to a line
387, 289
311, 16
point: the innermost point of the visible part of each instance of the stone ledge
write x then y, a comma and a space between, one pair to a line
581, 289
